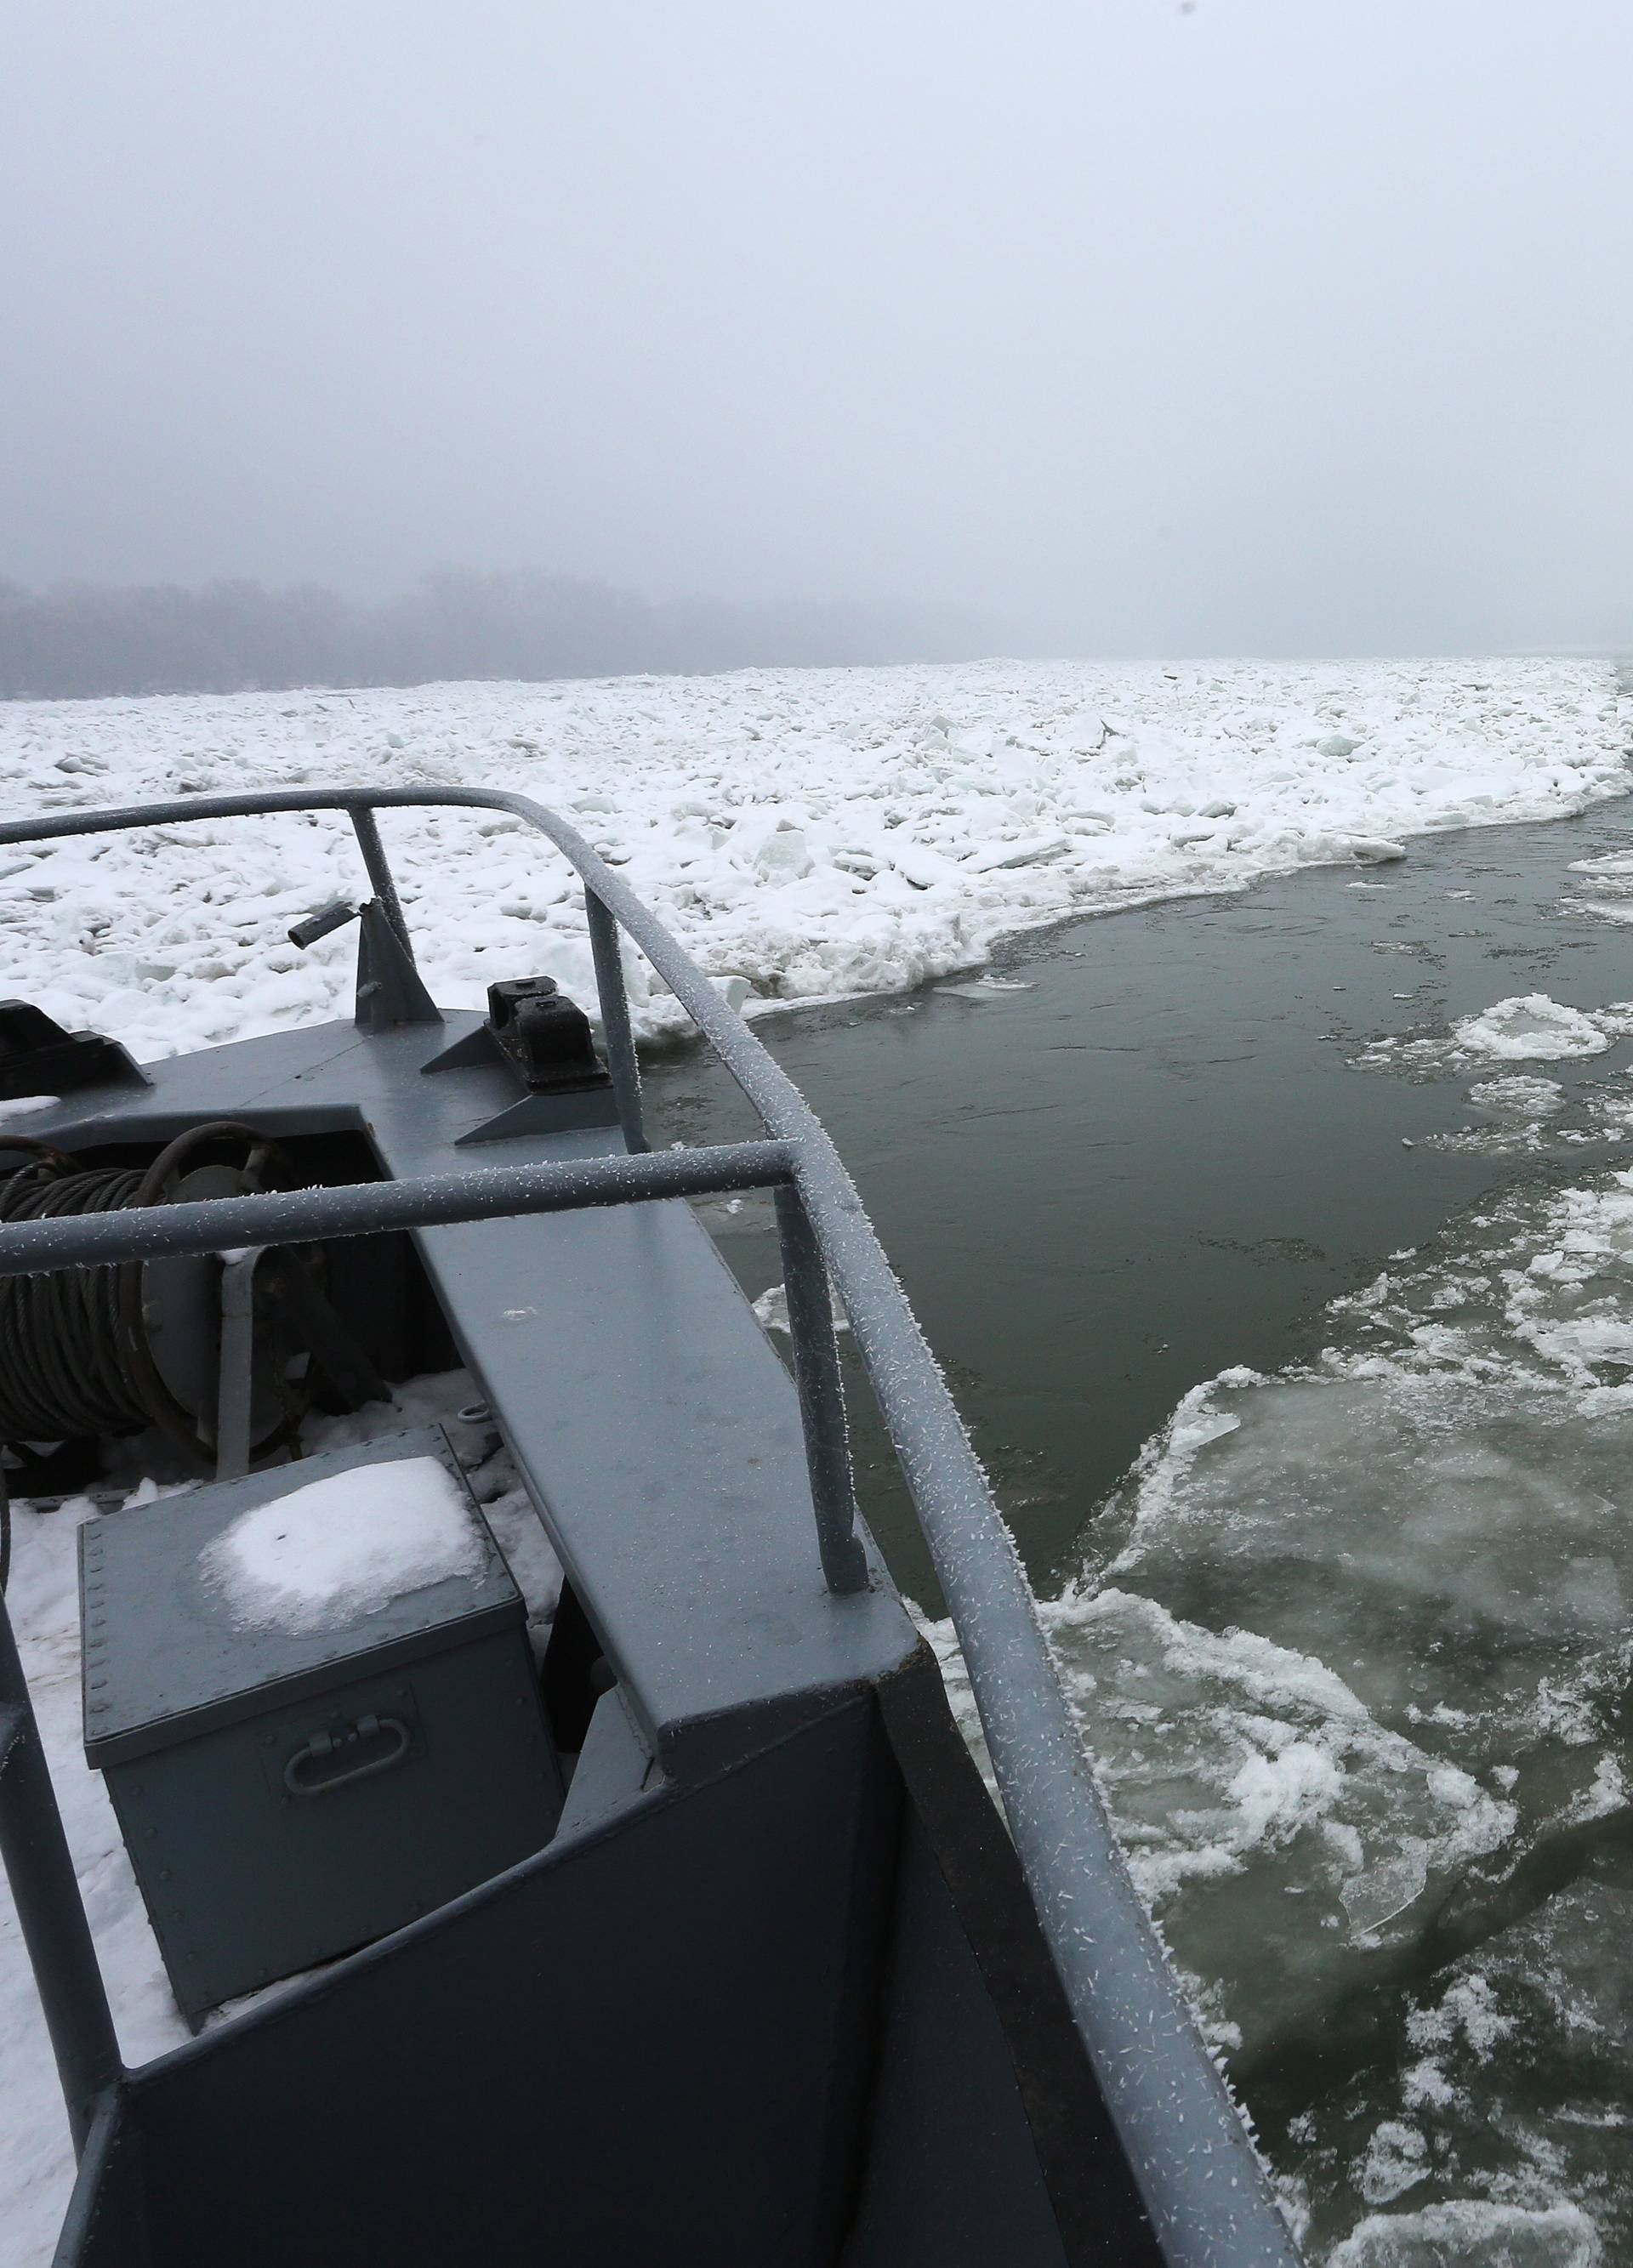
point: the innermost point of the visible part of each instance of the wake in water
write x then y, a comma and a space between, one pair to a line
1351, 1649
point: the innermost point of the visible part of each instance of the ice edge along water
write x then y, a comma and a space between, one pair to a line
809, 834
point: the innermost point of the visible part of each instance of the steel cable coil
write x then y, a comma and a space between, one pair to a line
75, 1360
65, 1371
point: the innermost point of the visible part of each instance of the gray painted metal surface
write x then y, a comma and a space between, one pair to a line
669, 1984
166, 1660
821, 1400
364, 1208
287, 1795
613, 1766
49, 1911
1204, 2189
740, 1653
652, 1420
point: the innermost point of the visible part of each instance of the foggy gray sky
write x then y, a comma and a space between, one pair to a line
1274, 326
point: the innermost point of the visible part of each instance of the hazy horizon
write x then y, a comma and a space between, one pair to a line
84, 641
1134, 330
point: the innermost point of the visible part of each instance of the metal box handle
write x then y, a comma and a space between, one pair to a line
310, 1771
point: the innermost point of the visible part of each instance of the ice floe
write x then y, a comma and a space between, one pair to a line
1530, 1027
1518, 1094
1472, 2231
1526, 1027
1524, 1112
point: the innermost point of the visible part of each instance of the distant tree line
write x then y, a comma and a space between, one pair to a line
87, 638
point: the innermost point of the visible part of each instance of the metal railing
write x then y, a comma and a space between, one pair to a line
1208, 2195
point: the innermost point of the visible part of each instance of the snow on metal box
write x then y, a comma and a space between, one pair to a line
313, 1699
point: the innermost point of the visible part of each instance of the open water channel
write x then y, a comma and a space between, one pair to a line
1349, 1634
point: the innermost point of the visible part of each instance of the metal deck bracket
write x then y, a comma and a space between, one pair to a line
235, 1379
390, 989
37, 1056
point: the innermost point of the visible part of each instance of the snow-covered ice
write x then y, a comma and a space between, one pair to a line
771, 1311
1526, 1027
1530, 1027
1281, 1834
808, 833
1609, 885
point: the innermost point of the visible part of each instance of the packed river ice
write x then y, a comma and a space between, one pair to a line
808, 833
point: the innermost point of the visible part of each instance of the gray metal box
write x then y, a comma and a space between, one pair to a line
287, 1796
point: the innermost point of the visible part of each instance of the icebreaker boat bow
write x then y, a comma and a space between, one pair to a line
699, 1940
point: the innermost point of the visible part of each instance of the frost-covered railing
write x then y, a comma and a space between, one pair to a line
1207, 2193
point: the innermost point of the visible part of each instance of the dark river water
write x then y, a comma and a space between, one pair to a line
1154, 1161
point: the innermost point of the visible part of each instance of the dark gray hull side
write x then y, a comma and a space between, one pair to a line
745, 2022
